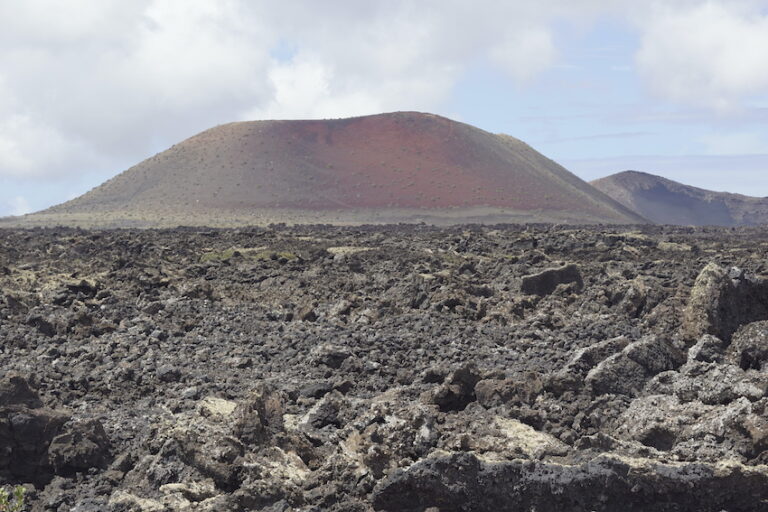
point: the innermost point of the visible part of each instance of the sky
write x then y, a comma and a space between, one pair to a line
678, 88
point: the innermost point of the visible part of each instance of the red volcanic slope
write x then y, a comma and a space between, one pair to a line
394, 161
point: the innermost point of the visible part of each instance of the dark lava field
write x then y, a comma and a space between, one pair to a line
401, 368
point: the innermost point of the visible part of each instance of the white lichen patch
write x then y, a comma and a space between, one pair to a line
211, 406
347, 250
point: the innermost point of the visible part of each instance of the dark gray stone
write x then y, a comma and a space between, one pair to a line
749, 346
81, 446
547, 281
461, 482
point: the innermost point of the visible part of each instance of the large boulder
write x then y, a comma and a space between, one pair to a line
627, 372
544, 283
82, 445
15, 392
257, 420
718, 383
457, 391
587, 358
514, 391
390, 432
617, 375
327, 411
462, 482
709, 349
25, 435
571, 376
749, 346
721, 301
26, 431
694, 430
37, 442
655, 354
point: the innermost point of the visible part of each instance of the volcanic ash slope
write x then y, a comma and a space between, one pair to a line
400, 167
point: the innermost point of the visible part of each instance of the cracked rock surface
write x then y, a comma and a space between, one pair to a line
385, 368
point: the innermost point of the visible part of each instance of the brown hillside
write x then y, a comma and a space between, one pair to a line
668, 202
390, 167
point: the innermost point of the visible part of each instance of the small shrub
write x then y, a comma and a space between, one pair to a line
12, 501
217, 255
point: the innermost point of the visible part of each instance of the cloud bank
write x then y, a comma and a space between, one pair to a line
710, 54
85, 84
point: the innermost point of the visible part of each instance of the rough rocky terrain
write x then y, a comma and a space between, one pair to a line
665, 201
385, 368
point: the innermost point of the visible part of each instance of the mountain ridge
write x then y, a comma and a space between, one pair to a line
666, 201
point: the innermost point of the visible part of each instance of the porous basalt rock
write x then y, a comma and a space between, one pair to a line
626, 372
457, 391
193, 370
81, 446
548, 280
749, 346
721, 301
37, 443
462, 482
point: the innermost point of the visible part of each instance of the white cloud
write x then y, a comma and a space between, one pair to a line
525, 53
122, 81
28, 147
706, 53
185, 50
304, 88
89, 83
43, 22
361, 58
92, 85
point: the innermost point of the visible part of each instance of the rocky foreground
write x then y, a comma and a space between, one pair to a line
393, 369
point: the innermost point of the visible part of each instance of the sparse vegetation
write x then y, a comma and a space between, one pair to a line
12, 501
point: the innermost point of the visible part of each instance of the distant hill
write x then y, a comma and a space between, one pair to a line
399, 167
668, 202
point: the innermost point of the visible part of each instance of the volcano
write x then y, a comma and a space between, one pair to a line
668, 202
398, 167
